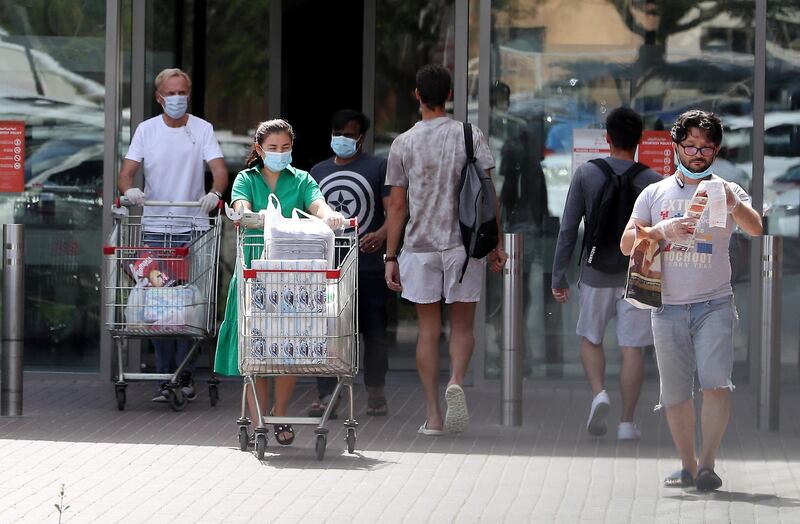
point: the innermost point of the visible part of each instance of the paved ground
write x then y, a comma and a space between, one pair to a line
149, 464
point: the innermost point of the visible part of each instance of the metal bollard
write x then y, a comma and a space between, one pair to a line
512, 351
770, 383
13, 319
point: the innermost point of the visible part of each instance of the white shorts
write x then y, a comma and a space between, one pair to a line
427, 277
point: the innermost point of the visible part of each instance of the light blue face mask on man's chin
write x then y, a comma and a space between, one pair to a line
688, 173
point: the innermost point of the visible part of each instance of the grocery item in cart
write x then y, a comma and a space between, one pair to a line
170, 306
295, 237
289, 286
161, 268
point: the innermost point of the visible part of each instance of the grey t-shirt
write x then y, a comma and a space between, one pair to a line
704, 272
584, 190
427, 160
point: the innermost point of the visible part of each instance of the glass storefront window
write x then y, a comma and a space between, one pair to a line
782, 166
551, 75
51, 78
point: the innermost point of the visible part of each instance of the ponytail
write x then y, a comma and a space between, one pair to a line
253, 158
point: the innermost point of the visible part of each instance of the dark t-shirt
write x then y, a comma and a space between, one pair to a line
587, 183
356, 190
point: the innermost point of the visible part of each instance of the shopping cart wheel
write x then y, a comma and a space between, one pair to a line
121, 397
351, 439
243, 438
176, 399
261, 445
322, 441
213, 394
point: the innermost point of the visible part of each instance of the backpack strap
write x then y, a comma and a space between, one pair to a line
470, 159
468, 147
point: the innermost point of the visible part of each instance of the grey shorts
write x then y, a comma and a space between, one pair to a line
694, 337
598, 305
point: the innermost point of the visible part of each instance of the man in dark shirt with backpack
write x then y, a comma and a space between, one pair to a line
598, 198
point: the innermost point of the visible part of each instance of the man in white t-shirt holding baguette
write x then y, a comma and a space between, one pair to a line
693, 329
172, 147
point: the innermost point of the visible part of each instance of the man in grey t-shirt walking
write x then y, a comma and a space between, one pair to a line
602, 294
424, 170
693, 329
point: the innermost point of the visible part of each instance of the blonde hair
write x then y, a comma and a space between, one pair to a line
169, 73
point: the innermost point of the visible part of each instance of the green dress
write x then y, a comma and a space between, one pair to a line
294, 189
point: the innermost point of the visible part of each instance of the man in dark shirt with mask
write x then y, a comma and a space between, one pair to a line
352, 182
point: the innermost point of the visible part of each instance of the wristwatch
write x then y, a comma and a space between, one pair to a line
217, 193
387, 258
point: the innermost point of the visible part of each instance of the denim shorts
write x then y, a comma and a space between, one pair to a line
598, 305
694, 337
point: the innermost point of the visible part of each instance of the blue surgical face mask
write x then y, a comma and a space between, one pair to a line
344, 147
175, 106
691, 174
277, 162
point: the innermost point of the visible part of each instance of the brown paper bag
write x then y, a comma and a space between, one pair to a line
643, 285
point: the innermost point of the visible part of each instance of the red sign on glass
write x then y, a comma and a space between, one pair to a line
656, 151
12, 156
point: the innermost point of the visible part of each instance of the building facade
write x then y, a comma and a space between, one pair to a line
79, 76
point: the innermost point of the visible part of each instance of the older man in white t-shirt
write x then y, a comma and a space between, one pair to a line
424, 169
172, 148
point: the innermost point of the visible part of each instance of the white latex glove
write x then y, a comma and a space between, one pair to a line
335, 220
135, 196
209, 202
678, 229
731, 198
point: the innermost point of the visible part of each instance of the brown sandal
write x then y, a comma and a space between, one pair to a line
377, 407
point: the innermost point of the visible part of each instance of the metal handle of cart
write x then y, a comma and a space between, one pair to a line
252, 220
123, 201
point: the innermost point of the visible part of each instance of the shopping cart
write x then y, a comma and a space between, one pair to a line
296, 316
161, 283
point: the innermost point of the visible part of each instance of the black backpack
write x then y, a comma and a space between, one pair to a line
477, 207
611, 213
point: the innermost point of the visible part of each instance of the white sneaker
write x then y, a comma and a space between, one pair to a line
628, 431
596, 425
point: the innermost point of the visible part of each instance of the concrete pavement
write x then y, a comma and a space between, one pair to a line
150, 464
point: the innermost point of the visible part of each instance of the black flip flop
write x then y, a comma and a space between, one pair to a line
280, 429
707, 480
679, 479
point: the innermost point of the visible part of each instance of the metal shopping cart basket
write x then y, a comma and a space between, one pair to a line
296, 316
161, 283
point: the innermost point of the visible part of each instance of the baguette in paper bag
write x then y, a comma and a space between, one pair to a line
643, 284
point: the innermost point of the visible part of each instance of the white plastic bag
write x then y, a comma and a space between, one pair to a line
134, 308
284, 237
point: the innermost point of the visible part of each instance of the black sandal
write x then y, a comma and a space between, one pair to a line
707, 480
280, 429
679, 479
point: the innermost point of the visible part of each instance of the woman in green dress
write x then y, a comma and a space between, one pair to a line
269, 172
